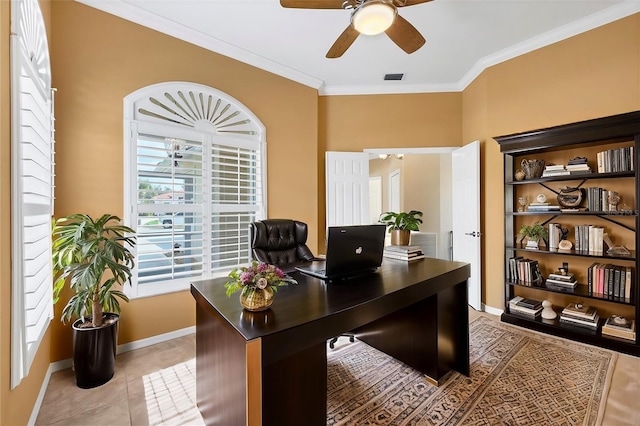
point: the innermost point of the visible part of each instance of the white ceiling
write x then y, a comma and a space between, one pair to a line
463, 37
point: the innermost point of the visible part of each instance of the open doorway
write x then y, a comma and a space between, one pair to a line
418, 181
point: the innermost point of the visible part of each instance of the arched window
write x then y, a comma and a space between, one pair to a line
194, 180
31, 185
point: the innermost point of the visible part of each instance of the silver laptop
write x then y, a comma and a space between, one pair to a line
351, 251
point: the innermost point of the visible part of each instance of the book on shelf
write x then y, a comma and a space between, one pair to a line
542, 207
617, 333
580, 310
554, 167
589, 239
578, 167
554, 170
522, 270
526, 307
615, 160
619, 326
569, 276
560, 283
592, 325
610, 281
527, 303
551, 173
621, 323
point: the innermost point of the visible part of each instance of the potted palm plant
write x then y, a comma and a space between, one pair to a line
94, 258
400, 225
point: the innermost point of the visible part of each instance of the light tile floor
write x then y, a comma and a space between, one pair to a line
126, 401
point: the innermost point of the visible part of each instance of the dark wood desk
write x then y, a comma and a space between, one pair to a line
270, 368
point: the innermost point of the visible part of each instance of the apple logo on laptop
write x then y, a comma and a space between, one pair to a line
359, 250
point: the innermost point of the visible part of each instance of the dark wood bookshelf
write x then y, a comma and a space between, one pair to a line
590, 136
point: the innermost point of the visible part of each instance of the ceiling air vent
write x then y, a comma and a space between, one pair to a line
393, 76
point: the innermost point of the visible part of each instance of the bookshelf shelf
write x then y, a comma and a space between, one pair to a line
584, 176
556, 252
619, 135
580, 291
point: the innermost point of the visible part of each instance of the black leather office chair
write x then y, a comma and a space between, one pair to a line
283, 242
280, 242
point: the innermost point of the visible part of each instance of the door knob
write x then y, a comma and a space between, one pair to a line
474, 234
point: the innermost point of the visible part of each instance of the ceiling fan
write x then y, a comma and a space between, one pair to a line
368, 17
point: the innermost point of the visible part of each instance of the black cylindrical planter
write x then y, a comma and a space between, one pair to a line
94, 352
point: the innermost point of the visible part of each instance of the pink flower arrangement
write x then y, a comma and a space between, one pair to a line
257, 276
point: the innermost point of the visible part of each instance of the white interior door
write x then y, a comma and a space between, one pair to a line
347, 179
466, 215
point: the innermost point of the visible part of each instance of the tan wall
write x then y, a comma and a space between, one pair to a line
591, 75
98, 59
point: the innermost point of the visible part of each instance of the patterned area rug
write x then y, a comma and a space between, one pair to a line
518, 377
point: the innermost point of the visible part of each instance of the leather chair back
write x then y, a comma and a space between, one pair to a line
279, 241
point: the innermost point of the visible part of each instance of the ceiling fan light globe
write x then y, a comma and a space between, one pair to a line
373, 17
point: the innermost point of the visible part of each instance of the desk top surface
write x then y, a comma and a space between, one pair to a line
352, 302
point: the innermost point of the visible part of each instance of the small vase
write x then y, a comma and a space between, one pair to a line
255, 299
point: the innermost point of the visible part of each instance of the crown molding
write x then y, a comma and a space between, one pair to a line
390, 88
131, 13
614, 13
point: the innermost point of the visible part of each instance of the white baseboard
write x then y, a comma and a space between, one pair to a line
66, 363
492, 310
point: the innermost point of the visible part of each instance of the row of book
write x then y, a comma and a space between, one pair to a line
589, 239
406, 253
578, 315
523, 270
611, 281
601, 199
607, 280
615, 160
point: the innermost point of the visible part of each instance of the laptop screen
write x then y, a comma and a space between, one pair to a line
351, 249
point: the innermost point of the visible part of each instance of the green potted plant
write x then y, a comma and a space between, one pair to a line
94, 258
400, 225
534, 233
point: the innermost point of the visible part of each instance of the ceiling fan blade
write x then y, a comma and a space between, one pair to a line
405, 35
405, 3
343, 42
312, 4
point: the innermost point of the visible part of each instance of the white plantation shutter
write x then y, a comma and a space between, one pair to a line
32, 185
194, 180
